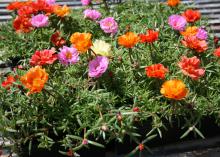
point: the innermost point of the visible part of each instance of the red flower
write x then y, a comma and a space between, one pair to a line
136, 109
191, 67
150, 37
194, 43
8, 82
26, 10
57, 40
15, 5
156, 71
216, 40
141, 147
43, 57
70, 153
217, 52
22, 24
191, 15
41, 5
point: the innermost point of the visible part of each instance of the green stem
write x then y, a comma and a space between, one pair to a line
106, 6
130, 55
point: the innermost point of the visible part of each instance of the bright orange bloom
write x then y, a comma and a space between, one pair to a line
191, 67
61, 11
8, 82
22, 24
128, 40
217, 52
81, 41
156, 71
191, 15
190, 31
173, 3
174, 89
150, 37
194, 43
34, 79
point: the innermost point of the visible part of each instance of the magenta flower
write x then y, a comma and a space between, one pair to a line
98, 66
40, 20
109, 25
50, 2
177, 22
92, 14
86, 2
202, 34
68, 55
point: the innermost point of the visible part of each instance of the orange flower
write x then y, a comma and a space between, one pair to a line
173, 3
191, 15
191, 67
150, 37
61, 11
34, 79
128, 40
22, 24
217, 52
156, 71
174, 89
190, 31
194, 43
81, 41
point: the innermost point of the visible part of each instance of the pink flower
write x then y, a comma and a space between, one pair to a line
109, 25
68, 55
39, 20
202, 34
92, 14
191, 67
86, 2
98, 66
50, 2
177, 22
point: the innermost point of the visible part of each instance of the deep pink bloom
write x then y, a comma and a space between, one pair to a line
40, 20
86, 2
109, 25
202, 34
98, 66
68, 55
177, 22
92, 14
191, 67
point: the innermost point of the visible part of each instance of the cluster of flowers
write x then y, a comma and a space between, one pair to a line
34, 80
35, 14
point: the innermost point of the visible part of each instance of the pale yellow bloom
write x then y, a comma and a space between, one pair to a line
102, 48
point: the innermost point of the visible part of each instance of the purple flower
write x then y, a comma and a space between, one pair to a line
202, 34
50, 2
98, 66
177, 22
68, 55
86, 2
39, 20
109, 25
92, 14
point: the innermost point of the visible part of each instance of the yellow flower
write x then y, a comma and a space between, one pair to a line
174, 89
62, 11
102, 48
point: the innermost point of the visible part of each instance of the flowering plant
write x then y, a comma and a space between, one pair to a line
86, 77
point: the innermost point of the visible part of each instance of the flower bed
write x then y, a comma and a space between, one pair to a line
87, 77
